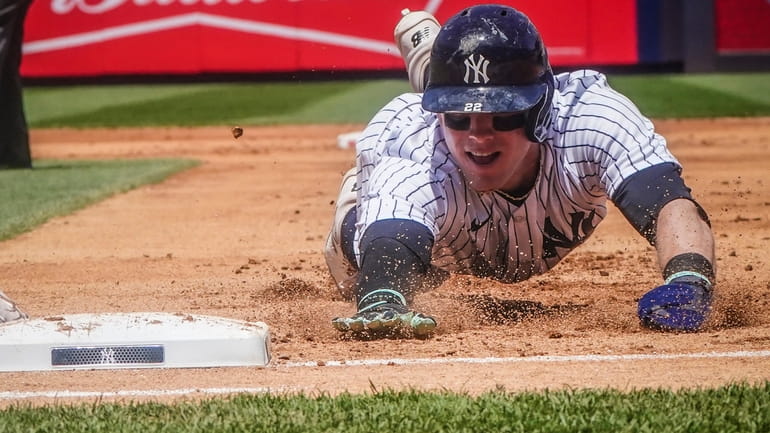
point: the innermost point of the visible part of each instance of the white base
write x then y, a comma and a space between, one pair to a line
348, 140
131, 340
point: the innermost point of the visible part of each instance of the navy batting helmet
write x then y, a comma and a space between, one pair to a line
491, 59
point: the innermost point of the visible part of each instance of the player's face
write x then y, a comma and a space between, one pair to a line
492, 150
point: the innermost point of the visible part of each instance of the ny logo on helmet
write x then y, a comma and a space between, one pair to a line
479, 69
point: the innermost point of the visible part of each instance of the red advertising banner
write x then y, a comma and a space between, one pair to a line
66, 38
742, 26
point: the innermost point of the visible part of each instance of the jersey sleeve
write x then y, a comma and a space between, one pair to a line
395, 178
608, 138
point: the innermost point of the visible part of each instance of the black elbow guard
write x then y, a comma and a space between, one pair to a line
641, 197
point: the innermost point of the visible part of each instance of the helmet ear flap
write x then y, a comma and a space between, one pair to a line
539, 116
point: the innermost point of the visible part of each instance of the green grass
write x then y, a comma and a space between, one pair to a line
49, 103
53, 188
753, 86
689, 96
208, 104
658, 96
734, 408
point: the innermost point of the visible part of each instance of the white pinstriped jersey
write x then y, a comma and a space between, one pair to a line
598, 138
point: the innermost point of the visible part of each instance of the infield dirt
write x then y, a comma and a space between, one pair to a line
241, 235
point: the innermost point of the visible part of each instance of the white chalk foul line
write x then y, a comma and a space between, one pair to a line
544, 358
18, 395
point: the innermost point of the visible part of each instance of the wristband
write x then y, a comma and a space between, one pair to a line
682, 274
379, 297
689, 262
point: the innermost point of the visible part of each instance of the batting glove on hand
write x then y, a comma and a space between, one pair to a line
682, 304
387, 319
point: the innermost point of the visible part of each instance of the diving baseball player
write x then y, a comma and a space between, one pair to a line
499, 170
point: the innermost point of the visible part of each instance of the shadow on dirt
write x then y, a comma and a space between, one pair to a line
503, 311
399, 334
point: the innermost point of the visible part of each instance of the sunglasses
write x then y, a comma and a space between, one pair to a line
507, 122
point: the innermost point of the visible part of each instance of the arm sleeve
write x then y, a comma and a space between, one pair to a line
396, 256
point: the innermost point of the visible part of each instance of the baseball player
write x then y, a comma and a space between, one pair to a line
499, 170
14, 136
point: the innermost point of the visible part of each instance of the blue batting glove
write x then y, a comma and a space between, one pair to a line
683, 304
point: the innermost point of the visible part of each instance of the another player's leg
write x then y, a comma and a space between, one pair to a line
9, 311
414, 35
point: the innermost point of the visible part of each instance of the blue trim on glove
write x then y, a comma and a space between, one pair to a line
677, 306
